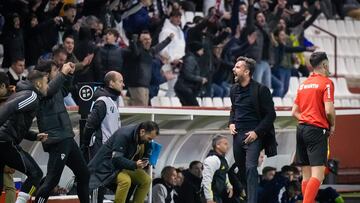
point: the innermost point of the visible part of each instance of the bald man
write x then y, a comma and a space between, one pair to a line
104, 118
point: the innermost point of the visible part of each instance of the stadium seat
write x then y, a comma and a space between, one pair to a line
337, 103
302, 79
355, 103
293, 86
207, 102
218, 102
332, 27
201, 14
329, 46
341, 66
343, 88
351, 67
277, 101
287, 101
227, 102
199, 101
357, 65
189, 16
340, 25
345, 103
349, 27
155, 101
165, 101
175, 102
357, 26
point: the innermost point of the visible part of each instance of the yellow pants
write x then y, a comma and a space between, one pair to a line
138, 177
9, 188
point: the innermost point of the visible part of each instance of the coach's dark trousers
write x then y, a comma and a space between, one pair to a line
246, 157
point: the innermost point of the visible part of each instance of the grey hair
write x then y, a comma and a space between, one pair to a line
216, 140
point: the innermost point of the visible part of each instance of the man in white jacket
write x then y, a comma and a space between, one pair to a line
176, 49
216, 184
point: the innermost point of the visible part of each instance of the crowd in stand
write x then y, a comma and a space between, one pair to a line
151, 42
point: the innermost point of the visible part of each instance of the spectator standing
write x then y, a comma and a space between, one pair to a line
120, 160
140, 55
314, 109
176, 49
13, 40
163, 188
109, 57
189, 82
53, 118
190, 190
16, 116
16, 71
216, 184
260, 50
104, 118
251, 123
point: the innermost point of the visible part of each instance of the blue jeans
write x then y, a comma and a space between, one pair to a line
262, 73
283, 74
222, 90
246, 158
278, 87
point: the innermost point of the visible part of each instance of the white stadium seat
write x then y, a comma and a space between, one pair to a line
165, 101
218, 102
277, 101
355, 103
287, 101
293, 86
155, 101
175, 102
227, 102
345, 103
207, 102
199, 101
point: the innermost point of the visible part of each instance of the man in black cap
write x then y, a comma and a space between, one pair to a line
190, 81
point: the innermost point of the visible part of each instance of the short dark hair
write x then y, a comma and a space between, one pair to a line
166, 171
59, 49
287, 168
113, 31
110, 76
69, 6
68, 36
267, 169
45, 66
16, 59
36, 75
149, 126
175, 13
316, 58
4, 79
250, 63
216, 140
193, 163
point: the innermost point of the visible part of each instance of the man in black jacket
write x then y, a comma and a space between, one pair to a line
190, 190
138, 73
109, 57
120, 162
16, 117
104, 118
251, 123
53, 119
189, 82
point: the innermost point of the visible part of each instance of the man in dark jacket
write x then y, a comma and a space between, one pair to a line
16, 71
104, 118
190, 190
53, 119
138, 73
251, 123
189, 81
16, 117
120, 162
109, 57
164, 188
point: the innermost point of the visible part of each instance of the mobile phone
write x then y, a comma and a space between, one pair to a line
145, 159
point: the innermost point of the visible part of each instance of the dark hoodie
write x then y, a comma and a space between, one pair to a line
190, 190
98, 113
18, 112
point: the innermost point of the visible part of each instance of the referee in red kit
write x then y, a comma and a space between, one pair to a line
314, 109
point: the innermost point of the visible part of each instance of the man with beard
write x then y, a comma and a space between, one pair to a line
251, 123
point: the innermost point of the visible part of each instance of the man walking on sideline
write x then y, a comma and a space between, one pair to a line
314, 109
251, 123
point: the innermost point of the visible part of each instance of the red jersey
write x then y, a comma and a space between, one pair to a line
311, 97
